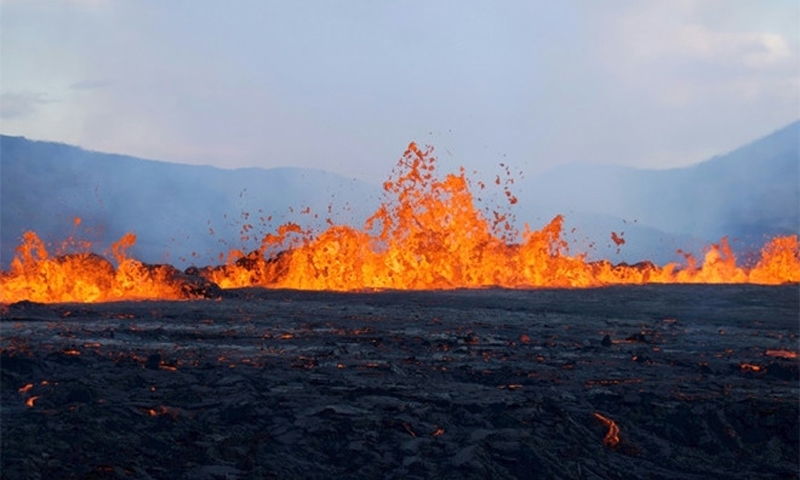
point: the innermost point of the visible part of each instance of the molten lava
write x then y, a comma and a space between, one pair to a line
781, 353
37, 276
427, 234
612, 436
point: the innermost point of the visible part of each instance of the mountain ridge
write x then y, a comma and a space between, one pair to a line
748, 192
170, 207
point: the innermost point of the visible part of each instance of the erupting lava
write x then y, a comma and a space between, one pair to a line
428, 235
88, 277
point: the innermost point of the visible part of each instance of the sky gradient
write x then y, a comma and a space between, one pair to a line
345, 86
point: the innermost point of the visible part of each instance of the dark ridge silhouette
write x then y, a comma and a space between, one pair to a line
749, 194
172, 208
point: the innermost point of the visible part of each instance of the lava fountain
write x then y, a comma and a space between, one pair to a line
427, 234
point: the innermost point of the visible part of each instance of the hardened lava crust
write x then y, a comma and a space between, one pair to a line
657, 381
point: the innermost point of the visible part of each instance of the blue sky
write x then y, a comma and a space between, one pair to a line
345, 86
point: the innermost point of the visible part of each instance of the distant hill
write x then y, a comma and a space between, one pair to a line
748, 194
172, 208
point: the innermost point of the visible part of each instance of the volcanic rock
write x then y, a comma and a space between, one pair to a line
286, 384
192, 285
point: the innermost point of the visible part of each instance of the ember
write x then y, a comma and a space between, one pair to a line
37, 276
612, 437
781, 353
749, 367
427, 234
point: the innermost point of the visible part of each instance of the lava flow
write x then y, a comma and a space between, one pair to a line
428, 234
612, 436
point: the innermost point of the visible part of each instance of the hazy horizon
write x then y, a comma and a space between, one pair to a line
346, 87
488, 171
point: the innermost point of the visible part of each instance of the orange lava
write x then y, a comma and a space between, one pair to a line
750, 367
612, 436
781, 353
37, 276
427, 234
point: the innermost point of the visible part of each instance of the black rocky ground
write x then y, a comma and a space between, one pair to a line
461, 384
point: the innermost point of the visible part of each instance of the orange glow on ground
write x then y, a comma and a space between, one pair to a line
612, 437
750, 367
782, 353
428, 234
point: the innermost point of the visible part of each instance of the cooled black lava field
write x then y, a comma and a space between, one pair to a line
701, 382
